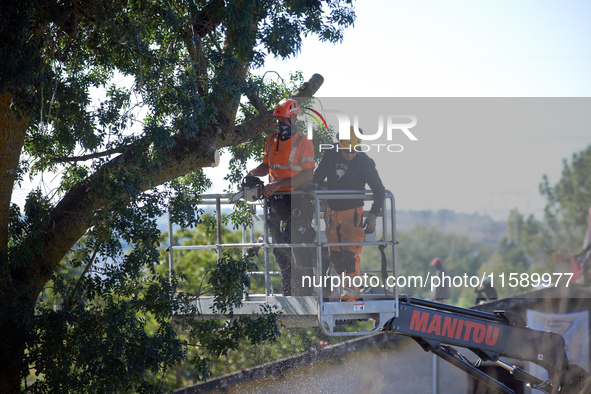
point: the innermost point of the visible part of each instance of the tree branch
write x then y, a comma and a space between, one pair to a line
255, 100
202, 25
70, 300
265, 121
120, 149
71, 217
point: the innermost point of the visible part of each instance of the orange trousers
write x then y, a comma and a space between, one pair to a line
345, 226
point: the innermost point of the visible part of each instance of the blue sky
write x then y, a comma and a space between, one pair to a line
458, 48
465, 48
455, 48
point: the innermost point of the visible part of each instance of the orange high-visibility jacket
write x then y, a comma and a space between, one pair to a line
289, 158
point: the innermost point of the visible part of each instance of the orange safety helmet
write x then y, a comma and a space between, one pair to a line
352, 142
286, 108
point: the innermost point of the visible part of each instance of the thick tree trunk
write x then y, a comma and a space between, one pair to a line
71, 217
16, 322
12, 136
13, 129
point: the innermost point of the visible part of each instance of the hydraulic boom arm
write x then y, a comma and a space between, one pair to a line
490, 336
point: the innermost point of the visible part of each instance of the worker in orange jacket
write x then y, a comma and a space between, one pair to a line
289, 161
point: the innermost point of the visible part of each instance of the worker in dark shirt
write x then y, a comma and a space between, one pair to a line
344, 168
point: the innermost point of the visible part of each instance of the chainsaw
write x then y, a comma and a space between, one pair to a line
250, 190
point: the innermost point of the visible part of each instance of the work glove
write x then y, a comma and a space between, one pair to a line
259, 241
370, 223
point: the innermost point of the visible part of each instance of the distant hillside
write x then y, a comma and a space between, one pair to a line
476, 227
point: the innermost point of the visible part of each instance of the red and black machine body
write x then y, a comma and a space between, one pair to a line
490, 336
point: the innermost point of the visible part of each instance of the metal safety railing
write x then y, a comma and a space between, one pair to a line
378, 307
378, 310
